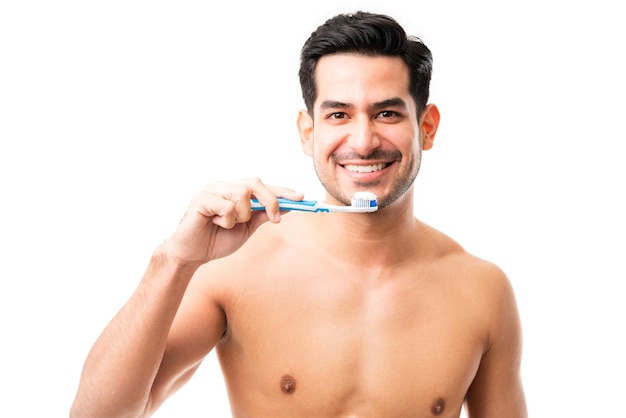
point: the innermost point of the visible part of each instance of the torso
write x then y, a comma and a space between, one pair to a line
312, 338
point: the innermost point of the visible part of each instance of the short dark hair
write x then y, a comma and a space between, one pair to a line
369, 34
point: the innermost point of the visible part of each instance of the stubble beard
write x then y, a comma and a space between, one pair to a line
401, 184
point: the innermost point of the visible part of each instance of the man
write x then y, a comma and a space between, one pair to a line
323, 315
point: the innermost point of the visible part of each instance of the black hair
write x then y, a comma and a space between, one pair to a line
369, 34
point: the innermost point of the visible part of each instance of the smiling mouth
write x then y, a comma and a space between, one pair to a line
365, 168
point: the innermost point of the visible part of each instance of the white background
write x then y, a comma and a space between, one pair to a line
112, 114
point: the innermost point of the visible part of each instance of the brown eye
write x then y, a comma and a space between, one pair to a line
337, 115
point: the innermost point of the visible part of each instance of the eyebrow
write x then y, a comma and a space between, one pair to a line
335, 104
394, 102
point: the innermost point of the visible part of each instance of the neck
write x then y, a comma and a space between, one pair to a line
383, 238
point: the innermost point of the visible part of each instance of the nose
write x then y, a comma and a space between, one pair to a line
363, 137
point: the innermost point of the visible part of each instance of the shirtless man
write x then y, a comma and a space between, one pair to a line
323, 315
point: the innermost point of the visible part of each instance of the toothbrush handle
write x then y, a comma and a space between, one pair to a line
287, 204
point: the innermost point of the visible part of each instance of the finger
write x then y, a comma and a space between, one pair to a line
242, 208
268, 197
270, 202
239, 194
286, 192
255, 188
220, 211
229, 218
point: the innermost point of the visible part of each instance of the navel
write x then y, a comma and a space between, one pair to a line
438, 406
288, 384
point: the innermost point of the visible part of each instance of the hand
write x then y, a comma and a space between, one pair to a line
219, 219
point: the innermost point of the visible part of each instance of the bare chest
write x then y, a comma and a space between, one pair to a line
316, 348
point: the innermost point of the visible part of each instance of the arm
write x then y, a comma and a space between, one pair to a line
140, 358
497, 388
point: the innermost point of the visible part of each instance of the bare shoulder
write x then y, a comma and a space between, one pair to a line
489, 298
476, 272
218, 279
484, 293
484, 286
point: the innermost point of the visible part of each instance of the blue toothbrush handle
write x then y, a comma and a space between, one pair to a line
288, 204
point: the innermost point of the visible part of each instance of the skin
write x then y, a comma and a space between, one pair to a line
328, 315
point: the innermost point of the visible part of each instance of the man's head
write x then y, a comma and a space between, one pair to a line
368, 34
365, 85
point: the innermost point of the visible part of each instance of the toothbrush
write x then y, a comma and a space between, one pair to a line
361, 202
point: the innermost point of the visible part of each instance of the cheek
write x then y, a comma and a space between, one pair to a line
323, 151
323, 147
404, 137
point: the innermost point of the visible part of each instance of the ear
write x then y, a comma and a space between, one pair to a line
305, 127
429, 121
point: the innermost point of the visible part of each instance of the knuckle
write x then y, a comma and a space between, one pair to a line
255, 182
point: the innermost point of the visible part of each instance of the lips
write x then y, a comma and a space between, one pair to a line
365, 168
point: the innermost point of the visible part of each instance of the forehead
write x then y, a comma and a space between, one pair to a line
356, 78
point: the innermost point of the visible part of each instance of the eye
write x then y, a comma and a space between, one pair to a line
336, 115
386, 114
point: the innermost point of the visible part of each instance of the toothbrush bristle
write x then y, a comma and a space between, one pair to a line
364, 200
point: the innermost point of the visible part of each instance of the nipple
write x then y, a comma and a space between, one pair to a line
438, 406
288, 384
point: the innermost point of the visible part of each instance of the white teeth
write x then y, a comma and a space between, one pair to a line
365, 168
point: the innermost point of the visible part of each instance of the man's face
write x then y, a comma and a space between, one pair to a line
365, 135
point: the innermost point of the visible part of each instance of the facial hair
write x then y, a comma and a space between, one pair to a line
403, 181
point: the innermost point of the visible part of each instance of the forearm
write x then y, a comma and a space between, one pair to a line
121, 367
